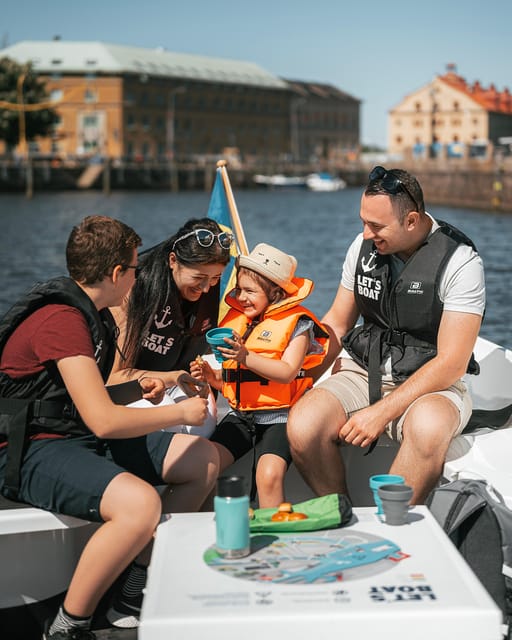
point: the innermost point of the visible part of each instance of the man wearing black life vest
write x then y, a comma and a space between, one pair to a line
418, 284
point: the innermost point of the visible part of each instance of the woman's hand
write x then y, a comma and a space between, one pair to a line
153, 389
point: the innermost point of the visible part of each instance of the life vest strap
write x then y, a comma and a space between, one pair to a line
38, 408
245, 375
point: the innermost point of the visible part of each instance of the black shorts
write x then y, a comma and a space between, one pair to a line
70, 475
235, 433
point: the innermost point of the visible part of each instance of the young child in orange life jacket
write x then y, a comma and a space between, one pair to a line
276, 343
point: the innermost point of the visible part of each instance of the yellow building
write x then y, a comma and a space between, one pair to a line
449, 117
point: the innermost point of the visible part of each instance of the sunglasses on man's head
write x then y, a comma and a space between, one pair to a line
205, 238
390, 182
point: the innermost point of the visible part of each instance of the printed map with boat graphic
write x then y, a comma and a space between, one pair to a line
320, 557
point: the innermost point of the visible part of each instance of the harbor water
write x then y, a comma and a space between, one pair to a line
315, 227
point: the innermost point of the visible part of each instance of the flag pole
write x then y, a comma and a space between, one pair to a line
233, 211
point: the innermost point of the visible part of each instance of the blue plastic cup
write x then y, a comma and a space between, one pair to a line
215, 338
378, 481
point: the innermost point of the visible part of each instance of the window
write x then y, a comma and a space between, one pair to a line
90, 96
90, 120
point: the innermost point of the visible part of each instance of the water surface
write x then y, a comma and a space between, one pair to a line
315, 227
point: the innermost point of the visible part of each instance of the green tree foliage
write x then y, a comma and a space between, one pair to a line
38, 122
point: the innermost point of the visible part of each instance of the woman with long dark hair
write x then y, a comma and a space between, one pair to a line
174, 302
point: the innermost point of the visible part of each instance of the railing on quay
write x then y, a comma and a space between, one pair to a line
463, 182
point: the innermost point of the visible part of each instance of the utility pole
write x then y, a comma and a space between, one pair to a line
171, 151
24, 147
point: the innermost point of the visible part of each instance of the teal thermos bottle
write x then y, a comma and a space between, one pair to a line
232, 517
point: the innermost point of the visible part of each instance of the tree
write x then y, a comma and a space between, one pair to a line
19, 83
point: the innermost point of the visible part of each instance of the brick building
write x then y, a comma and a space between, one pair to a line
324, 123
131, 103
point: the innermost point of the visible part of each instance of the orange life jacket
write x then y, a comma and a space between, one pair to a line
248, 391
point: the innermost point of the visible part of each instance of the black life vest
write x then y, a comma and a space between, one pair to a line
175, 339
401, 319
41, 403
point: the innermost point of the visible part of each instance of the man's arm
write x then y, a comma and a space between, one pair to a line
338, 320
456, 338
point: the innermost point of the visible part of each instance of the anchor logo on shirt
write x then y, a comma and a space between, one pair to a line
370, 263
162, 323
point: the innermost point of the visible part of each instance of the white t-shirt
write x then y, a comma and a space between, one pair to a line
462, 285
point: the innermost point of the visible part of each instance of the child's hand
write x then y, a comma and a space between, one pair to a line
235, 349
201, 370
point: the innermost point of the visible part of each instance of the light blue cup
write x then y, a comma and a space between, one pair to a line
215, 338
378, 481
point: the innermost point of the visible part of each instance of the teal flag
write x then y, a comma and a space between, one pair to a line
218, 210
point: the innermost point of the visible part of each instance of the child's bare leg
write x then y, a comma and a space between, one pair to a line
270, 473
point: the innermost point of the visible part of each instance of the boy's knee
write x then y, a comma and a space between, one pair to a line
146, 501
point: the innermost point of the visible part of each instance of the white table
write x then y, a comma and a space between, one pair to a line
421, 589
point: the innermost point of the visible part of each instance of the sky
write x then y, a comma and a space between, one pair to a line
377, 52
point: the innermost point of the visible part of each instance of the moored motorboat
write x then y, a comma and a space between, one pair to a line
279, 180
324, 182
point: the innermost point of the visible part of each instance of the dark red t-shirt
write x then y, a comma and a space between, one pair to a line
53, 332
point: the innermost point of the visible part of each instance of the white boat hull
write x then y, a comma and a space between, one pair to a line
279, 180
485, 453
39, 550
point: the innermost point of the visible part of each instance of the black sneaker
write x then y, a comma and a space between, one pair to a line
71, 634
124, 611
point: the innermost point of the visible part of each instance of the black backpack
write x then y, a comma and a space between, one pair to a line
479, 524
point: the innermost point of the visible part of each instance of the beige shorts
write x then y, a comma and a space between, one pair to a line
350, 387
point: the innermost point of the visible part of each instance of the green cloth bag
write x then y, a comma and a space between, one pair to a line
326, 512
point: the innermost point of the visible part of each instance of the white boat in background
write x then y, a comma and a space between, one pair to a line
324, 182
280, 180
39, 550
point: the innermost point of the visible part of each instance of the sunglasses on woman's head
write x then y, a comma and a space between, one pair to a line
205, 238
390, 182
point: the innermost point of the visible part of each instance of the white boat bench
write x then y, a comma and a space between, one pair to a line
38, 552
